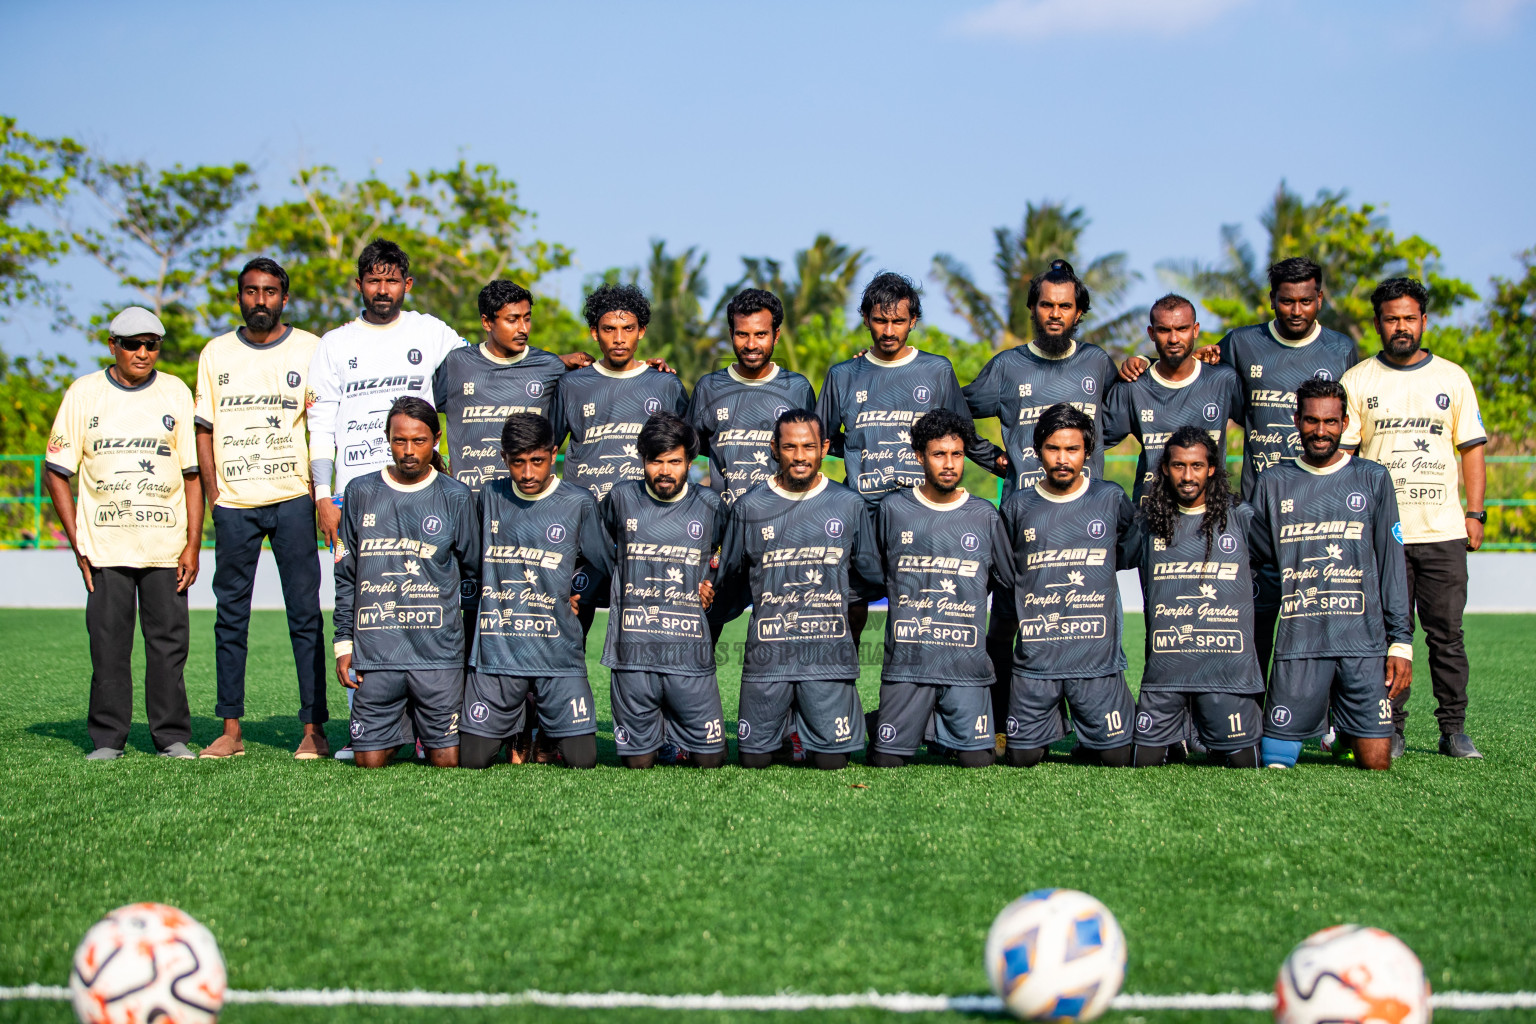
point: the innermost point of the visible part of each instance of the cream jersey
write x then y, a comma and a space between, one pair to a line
130, 447
251, 398
358, 371
1413, 420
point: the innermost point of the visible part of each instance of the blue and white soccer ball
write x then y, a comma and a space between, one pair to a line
1056, 954
1354, 974
147, 962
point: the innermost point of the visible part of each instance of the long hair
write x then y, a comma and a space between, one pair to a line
1161, 504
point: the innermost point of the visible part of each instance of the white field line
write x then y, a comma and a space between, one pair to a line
900, 1002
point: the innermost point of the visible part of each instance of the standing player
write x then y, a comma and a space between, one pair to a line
360, 368
943, 551
1273, 359
734, 409
659, 644
1328, 523
1197, 591
1414, 412
255, 470
1017, 386
127, 430
538, 532
1176, 392
1070, 533
797, 547
408, 535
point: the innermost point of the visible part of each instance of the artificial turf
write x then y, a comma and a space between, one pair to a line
321, 875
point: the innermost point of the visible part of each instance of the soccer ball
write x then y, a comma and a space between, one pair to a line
1056, 954
1352, 974
147, 962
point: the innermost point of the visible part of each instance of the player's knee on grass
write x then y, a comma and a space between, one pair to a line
880, 759
829, 762
1277, 752
373, 758
755, 760
443, 757
639, 760
1024, 757
1117, 757
477, 751
579, 751
714, 760
976, 758
1373, 754
1247, 757
1150, 757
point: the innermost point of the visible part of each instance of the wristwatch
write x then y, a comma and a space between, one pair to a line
1481, 517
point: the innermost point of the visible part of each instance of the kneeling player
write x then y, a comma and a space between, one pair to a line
797, 546
1327, 523
408, 535
538, 533
1197, 589
1069, 535
659, 645
943, 551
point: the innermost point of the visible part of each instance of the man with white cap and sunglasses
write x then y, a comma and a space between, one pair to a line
127, 432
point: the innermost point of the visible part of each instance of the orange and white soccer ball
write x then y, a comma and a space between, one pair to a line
1352, 974
1056, 954
147, 962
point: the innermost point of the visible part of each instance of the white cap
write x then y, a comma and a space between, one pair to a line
135, 320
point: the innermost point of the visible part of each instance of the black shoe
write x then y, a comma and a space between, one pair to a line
1398, 746
1458, 744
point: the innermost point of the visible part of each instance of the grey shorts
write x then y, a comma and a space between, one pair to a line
826, 713
649, 707
495, 705
1102, 711
1224, 721
962, 717
1303, 691
431, 697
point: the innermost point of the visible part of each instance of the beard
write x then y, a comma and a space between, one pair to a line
1053, 344
1401, 345
259, 318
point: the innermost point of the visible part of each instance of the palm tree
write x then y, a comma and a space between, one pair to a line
1050, 231
824, 277
678, 331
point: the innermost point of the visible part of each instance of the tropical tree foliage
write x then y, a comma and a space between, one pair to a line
34, 176
679, 331
1049, 232
821, 288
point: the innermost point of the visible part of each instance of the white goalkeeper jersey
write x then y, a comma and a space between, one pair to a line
358, 371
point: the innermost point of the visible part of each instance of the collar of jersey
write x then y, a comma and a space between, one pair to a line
624, 375
949, 507
153, 374
554, 482
396, 485
396, 322
1175, 385
1068, 354
1325, 470
816, 489
1063, 498
739, 379
1198, 510
679, 496
1312, 335
240, 333
1429, 357
485, 350
886, 364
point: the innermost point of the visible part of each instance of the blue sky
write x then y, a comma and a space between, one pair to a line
746, 128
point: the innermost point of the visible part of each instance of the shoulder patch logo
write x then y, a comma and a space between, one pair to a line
294, 379
1397, 532
414, 356
1443, 400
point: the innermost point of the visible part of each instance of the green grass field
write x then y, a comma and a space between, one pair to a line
319, 875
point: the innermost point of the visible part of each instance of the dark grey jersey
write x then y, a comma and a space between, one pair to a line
1335, 538
1151, 408
477, 393
663, 552
1198, 598
798, 559
1018, 385
1066, 553
603, 412
734, 417
869, 406
941, 562
1270, 371
400, 555
532, 549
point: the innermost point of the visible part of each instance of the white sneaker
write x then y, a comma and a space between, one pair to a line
1277, 766
345, 753
1329, 740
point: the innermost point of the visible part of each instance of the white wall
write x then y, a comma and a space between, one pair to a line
1501, 581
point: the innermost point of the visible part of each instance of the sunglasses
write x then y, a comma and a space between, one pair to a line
133, 345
